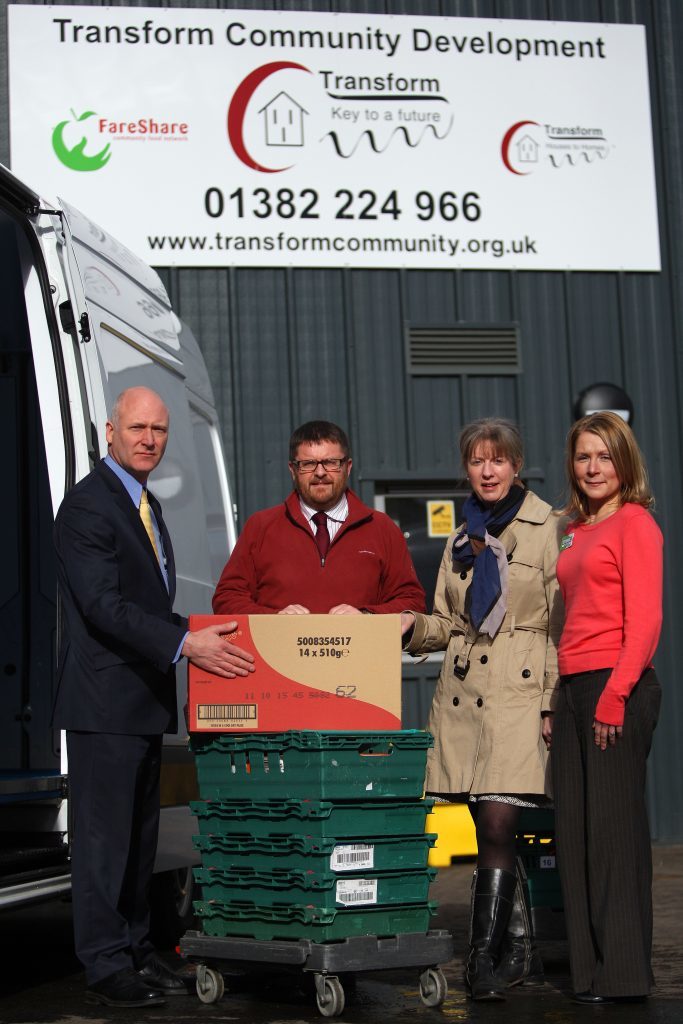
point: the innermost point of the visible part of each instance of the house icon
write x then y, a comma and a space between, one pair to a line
527, 150
284, 121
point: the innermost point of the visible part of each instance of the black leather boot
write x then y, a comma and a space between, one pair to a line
494, 889
520, 962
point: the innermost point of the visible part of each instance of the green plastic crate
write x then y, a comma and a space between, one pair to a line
362, 819
536, 850
327, 853
323, 765
306, 922
543, 877
323, 889
537, 821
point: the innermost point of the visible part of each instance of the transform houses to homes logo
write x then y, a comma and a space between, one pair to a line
77, 140
527, 145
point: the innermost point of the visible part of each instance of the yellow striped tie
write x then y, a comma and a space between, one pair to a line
146, 516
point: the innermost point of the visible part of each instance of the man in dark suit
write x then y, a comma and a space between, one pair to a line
116, 697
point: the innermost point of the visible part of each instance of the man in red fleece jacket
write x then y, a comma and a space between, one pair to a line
322, 551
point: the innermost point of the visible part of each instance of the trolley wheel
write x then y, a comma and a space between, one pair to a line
210, 984
329, 995
433, 987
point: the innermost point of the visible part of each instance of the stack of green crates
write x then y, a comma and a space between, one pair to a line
313, 835
536, 852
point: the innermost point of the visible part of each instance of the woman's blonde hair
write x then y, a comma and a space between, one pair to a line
502, 435
626, 456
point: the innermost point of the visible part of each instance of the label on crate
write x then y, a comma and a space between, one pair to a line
547, 861
356, 891
352, 856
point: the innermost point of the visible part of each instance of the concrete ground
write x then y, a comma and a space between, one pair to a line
41, 982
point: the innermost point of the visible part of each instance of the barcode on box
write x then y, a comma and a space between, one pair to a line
352, 856
356, 891
226, 712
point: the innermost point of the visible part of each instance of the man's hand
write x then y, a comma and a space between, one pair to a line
344, 609
210, 649
294, 609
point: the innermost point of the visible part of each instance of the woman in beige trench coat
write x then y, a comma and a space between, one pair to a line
498, 616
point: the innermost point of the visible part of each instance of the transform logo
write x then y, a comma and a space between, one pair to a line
272, 120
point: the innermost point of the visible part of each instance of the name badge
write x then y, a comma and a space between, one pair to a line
566, 541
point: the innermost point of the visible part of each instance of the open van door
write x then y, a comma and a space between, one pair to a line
83, 318
40, 459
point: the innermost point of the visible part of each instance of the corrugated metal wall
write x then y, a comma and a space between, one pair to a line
287, 345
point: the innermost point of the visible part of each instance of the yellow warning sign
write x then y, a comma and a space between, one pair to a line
440, 518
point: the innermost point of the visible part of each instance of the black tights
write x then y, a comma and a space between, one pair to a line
496, 824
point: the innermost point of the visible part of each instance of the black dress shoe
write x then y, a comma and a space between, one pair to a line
158, 976
592, 1000
124, 988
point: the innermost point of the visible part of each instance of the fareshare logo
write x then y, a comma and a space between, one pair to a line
72, 153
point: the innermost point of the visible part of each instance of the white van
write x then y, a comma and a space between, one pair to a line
82, 319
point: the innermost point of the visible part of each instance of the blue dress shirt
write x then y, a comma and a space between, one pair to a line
135, 489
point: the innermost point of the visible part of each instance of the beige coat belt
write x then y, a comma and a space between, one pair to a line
510, 626
462, 661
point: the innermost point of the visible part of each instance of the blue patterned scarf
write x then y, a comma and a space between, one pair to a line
484, 592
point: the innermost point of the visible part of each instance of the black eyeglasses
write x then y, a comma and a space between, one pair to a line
310, 465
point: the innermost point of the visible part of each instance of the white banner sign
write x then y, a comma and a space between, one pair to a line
269, 138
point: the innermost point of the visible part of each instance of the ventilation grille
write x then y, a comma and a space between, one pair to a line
463, 350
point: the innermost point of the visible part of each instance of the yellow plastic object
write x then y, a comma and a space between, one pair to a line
457, 837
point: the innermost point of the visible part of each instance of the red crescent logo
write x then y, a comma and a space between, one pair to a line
505, 145
238, 106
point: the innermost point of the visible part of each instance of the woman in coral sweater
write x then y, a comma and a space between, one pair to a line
610, 574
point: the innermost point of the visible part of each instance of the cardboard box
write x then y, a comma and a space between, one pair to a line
312, 672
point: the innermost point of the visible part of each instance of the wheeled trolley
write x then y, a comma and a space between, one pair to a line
325, 961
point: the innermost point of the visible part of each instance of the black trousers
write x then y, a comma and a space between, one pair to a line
114, 786
603, 837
